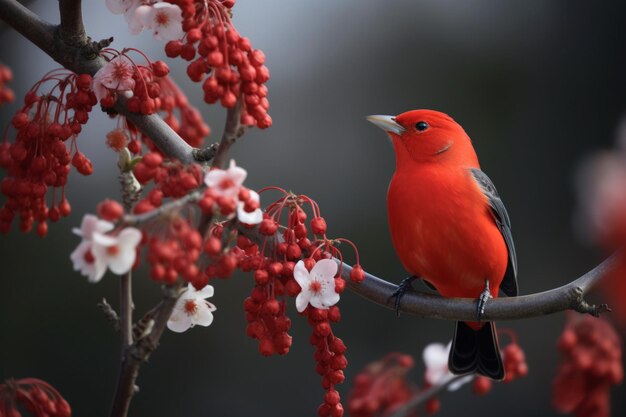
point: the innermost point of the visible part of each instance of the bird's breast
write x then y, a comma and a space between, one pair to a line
443, 231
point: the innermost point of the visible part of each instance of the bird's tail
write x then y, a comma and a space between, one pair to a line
476, 351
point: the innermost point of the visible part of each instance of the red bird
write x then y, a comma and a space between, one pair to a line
449, 227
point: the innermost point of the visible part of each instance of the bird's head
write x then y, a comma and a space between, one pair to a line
427, 136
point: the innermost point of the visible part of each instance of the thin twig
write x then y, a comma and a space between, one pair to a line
232, 131
126, 311
169, 207
424, 396
109, 313
379, 291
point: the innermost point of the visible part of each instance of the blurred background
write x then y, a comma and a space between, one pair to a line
536, 84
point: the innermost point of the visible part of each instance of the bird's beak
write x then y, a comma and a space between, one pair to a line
386, 123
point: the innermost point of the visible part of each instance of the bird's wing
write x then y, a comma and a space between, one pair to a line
501, 217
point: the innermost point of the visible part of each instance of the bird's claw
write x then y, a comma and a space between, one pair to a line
482, 301
403, 287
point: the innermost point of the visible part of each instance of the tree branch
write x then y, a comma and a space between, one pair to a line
379, 291
233, 130
71, 20
38, 31
78, 54
126, 311
424, 396
138, 352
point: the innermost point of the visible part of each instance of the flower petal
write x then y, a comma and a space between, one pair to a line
325, 271
204, 316
206, 292
214, 177
179, 323
435, 354
254, 217
301, 275
91, 224
237, 174
302, 300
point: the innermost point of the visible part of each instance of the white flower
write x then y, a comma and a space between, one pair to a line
86, 263
318, 286
118, 252
164, 19
191, 309
436, 361
97, 251
83, 257
90, 225
254, 217
226, 183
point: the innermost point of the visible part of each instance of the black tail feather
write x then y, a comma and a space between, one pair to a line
476, 351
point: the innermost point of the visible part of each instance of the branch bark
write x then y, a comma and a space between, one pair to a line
233, 130
71, 20
379, 291
138, 352
423, 396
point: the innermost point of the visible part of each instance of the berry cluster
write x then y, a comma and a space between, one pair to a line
39, 157
515, 365
174, 251
233, 70
123, 75
267, 321
591, 364
382, 387
273, 264
38, 397
188, 124
330, 357
177, 112
6, 94
171, 179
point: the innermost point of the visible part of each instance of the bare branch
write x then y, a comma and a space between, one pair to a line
567, 297
38, 31
424, 396
139, 352
233, 130
109, 313
135, 219
126, 311
71, 20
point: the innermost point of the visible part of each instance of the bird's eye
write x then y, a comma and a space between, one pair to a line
421, 126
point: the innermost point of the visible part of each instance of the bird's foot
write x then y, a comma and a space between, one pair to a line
482, 301
403, 287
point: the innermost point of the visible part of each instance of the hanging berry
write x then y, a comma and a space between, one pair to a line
38, 161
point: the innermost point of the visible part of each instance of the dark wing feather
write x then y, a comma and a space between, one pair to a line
501, 217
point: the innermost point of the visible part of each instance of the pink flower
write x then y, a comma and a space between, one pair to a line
164, 19
116, 75
226, 183
122, 6
318, 286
